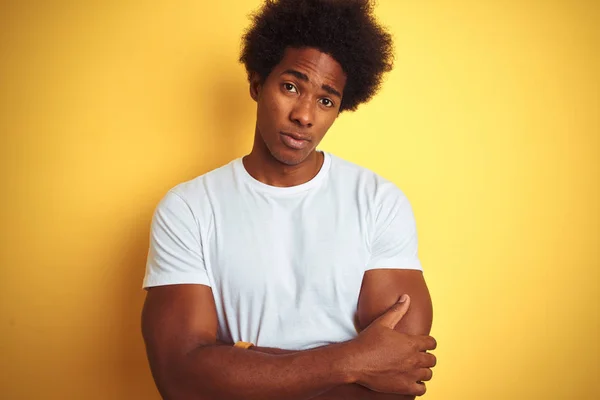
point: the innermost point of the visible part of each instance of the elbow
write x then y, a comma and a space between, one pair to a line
171, 388
176, 377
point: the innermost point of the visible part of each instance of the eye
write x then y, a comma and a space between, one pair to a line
326, 102
290, 87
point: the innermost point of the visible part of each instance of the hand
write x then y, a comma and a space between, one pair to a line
390, 361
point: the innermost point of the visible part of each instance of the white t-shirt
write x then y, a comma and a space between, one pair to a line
285, 264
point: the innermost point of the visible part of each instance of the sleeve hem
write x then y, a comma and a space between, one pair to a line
174, 279
396, 264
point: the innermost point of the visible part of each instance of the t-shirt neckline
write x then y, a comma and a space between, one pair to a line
277, 190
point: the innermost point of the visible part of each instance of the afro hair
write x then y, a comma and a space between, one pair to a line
345, 29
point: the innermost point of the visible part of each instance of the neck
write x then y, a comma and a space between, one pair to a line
263, 167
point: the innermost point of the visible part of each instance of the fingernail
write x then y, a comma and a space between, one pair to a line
403, 298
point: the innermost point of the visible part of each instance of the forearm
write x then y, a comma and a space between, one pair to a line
218, 372
358, 392
350, 391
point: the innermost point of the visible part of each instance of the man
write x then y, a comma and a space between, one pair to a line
262, 273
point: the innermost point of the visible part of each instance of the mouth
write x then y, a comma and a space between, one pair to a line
296, 136
295, 140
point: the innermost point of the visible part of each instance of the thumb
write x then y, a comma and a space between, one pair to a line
395, 313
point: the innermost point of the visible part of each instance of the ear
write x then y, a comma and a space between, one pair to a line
255, 85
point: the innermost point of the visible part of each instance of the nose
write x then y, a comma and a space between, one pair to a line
303, 113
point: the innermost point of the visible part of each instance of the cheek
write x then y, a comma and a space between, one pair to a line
271, 110
325, 122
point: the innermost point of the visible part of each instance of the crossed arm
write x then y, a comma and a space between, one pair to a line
179, 325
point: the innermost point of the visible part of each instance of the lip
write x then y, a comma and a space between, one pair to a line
291, 141
296, 136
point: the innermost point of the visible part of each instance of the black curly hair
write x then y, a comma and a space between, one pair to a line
345, 29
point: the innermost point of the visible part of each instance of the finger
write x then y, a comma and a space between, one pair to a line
418, 389
427, 360
395, 313
425, 343
424, 374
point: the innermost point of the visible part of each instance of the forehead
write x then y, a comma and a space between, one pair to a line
320, 67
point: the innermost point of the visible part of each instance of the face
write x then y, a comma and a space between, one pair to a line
297, 103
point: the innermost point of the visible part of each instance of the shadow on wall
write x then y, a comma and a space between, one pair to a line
232, 114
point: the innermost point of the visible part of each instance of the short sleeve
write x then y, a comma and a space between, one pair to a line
394, 243
175, 253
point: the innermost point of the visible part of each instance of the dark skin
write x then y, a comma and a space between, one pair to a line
301, 96
388, 359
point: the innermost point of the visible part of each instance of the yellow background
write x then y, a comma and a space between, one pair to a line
489, 123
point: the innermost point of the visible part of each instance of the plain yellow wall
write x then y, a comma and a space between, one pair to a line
489, 123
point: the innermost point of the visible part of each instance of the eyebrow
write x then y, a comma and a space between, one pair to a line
304, 77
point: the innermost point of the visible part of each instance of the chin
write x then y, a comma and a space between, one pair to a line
288, 156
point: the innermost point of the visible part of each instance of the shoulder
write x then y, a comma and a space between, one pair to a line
369, 185
193, 194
